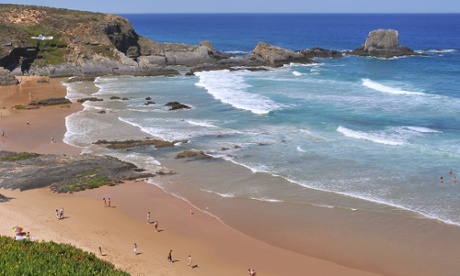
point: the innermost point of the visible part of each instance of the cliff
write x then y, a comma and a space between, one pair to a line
61, 42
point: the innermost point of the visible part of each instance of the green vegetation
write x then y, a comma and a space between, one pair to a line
104, 50
50, 258
91, 183
19, 156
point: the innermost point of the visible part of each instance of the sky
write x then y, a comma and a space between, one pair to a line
251, 6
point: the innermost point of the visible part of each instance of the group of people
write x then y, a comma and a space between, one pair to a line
454, 179
59, 213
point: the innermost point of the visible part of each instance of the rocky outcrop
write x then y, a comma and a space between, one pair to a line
385, 44
176, 106
50, 101
137, 143
64, 173
276, 56
6, 78
266, 55
321, 53
193, 154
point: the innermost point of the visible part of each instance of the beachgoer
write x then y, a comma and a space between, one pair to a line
57, 214
100, 250
155, 224
252, 272
170, 256
61, 213
105, 202
441, 180
135, 249
52, 140
28, 123
3, 133
454, 180
108, 202
148, 217
191, 212
450, 173
28, 235
189, 263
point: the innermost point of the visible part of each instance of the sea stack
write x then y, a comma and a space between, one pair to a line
385, 44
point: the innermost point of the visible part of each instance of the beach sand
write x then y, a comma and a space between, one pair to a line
216, 249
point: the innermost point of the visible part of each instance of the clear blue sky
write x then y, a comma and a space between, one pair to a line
252, 6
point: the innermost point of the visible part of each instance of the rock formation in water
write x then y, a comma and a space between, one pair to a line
385, 44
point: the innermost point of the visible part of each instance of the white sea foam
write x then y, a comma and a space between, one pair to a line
296, 73
387, 89
225, 195
422, 129
300, 149
201, 123
266, 199
231, 88
442, 51
377, 137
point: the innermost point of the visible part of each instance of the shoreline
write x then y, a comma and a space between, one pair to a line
215, 247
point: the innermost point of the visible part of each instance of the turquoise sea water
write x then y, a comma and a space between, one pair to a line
365, 128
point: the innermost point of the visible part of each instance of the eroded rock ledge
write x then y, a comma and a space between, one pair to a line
65, 173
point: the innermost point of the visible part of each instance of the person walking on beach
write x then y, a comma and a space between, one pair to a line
170, 259
57, 214
148, 217
135, 249
105, 202
252, 272
155, 225
189, 262
108, 202
61, 213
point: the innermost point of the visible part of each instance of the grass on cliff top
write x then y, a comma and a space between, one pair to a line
19, 156
50, 258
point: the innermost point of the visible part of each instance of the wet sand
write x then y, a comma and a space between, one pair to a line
216, 248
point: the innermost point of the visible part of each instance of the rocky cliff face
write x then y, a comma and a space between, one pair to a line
85, 43
383, 43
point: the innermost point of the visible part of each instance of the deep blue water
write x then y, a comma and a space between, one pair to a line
383, 130
242, 32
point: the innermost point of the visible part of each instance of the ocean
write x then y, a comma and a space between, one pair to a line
348, 135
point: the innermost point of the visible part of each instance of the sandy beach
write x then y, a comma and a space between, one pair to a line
215, 248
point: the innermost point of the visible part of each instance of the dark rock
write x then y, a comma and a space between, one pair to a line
4, 198
193, 154
115, 98
50, 101
124, 99
384, 44
102, 112
137, 143
176, 106
148, 98
149, 103
91, 99
320, 53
